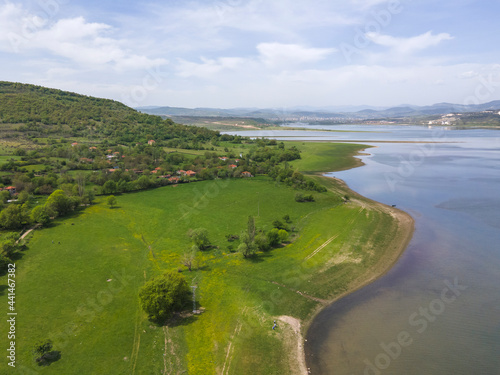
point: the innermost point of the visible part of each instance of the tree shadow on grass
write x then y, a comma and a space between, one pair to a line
259, 258
18, 255
182, 321
61, 220
48, 358
3, 288
179, 319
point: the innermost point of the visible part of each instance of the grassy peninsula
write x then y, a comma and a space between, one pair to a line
78, 278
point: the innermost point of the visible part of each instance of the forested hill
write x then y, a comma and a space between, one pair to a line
30, 111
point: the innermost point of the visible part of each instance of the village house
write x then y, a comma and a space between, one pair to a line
246, 174
151, 142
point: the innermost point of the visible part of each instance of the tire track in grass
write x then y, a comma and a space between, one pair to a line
137, 337
321, 247
165, 332
227, 361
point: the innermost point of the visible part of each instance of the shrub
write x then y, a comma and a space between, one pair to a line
273, 237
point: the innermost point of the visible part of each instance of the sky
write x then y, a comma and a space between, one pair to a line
256, 53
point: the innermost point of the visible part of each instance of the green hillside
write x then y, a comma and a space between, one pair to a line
30, 112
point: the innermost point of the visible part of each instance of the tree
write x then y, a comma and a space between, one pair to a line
164, 295
199, 237
109, 187
278, 224
273, 237
9, 245
39, 215
80, 180
89, 196
13, 217
23, 197
143, 182
42, 347
111, 201
261, 242
251, 228
283, 235
247, 246
58, 204
245, 250
45, 354
189, 257
4, 196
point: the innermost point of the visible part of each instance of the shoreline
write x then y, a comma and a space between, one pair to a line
405, 230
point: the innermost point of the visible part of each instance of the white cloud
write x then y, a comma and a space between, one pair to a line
222, 24
468, 74
84, 43
208, 68
408, 45
279, 54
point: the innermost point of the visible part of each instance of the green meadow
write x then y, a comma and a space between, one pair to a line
78, 281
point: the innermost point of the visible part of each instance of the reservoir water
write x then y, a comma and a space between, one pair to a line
437, 311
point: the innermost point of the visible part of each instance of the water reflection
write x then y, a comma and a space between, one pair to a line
403, 323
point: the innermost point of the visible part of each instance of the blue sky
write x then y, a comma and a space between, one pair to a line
256, 53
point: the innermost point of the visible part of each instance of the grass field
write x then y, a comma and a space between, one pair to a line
325, 157
78, 281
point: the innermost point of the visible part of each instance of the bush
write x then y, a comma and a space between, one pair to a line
273, 237
283, 235
262, 242
304, 198
232, 237
199, 237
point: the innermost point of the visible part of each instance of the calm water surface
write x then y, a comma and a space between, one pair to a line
438, 310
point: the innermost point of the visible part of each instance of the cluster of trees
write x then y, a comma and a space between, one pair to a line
294, 178
9, 245
276, 155
59, 203
299, 197
253, 240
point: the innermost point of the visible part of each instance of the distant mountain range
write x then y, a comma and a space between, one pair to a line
338, 112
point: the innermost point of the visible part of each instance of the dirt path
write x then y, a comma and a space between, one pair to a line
28, 232
322, 301
298, 368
